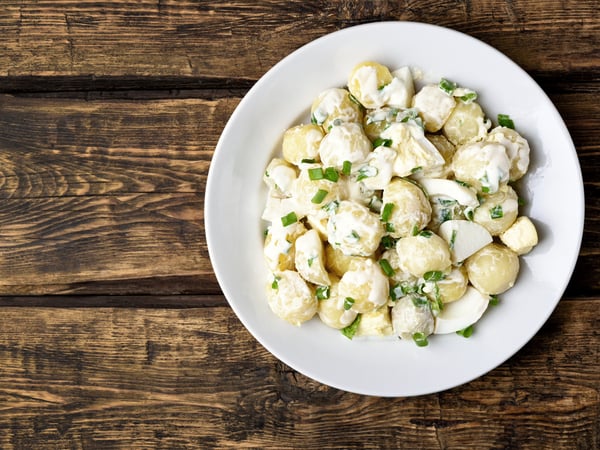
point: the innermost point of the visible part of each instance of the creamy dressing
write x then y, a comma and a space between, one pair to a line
345, 142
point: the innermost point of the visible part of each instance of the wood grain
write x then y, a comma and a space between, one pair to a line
103, 191
138, 378
98, 41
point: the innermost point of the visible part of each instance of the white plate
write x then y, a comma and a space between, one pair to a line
235, 197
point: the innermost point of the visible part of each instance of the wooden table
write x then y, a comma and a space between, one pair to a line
113, 330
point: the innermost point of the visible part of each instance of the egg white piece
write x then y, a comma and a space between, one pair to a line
464, 238
461, 313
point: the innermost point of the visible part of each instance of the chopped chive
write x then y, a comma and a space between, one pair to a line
350, 330
420, 339
347, 168
504, 120
348, 302
389, 227
313, 120
447, 86
311, 260
319, 196
494, 300
331, 207
463, 183
419, 300
353, 99
323, 292
386, 212
382, 142
453, 239
275, 283
469, 97
415, 230
366, 172
466, 332
308, 161
386, 267
388, 242
496, 212
331, 174
316, 173
485, 189
289, 219
426, 233
354, 236
416, 169
434, 275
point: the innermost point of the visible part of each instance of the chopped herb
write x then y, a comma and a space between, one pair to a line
463, 183
375, 204
382, 142
416, 169
469, 97
319, 196
348, 302
308, 161
446, 202
388, 242
494, 300
504, 120
386, 267
445, 214
485, 189
331, 207
366, 172
353, 99
466, 332
396, 292
323, 292
420, 339
386, 212
453, 239
434, 275
389, 227
316, 173
496, 212
310, 261
354, 236
331, 174
275, 283
470, 214
350, 330
520, 201
289, 219
426, 233
436, 305
409, 114
313, 120
447, 86
415, 230
347, 168
419, 300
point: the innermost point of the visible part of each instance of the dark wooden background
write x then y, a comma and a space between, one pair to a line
113, 330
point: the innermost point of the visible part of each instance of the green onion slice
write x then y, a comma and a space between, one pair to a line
496, 212
331, 174
420, 339
348, 302
494, 300
447, 86
323, 292
504, 120
388, 242
386, 212
319, 196
350, 330
466, 332
386, 267
434, 275
289, 219
316, 173
382, 142
347, 168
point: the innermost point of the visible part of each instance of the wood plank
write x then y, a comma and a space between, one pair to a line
123, 378
104, 191
240, 40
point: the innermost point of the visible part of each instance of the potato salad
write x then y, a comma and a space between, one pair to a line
393, 212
